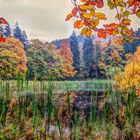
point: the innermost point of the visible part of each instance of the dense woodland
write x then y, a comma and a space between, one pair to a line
83, 87
76, 57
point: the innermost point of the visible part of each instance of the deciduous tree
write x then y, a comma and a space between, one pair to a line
12, 58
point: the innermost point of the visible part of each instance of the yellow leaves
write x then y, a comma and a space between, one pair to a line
130, 77
86, 31
78, 24
86, 7
100, 15
84, 0
86, 15
95, 22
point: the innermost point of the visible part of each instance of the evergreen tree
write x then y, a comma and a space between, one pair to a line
130, 47
21, 35
88, 57
25, 39
7, 32
1, 31
17, 32
75, 51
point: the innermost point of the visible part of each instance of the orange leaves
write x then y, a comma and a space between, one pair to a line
112, 26
78, 24
109, 31
72, 14
69, 16
12, 49
126, 22
87, 14
101, 33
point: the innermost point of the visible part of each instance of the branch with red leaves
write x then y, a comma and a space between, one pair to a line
88, 17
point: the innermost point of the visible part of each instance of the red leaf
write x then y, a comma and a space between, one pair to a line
101, 34
2, 39
74, 11
109, 31
99, 3
3, 21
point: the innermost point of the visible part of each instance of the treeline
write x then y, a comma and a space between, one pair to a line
99, 58
76, 57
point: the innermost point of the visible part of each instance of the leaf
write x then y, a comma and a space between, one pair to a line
86, 15
109, 31
78, 24
86, 7
74, 11
88, 33
99, 3
84, 31
138, 14
126, 22
100, 15
69, 16
95, 22
87, 22
101, 34
84, 0
112, 26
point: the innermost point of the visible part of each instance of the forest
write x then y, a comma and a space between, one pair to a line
85, 86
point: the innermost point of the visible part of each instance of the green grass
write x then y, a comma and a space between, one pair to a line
58, 86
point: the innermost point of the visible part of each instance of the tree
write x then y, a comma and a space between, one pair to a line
1, 31
25, 39
88, 57
67, 67
12, 58
112, 59
17, 33
7, 32
21, 35
88, 17
130, 47
43, 60
130, 78
75, 51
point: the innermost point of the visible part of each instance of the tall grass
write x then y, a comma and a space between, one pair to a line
118, 112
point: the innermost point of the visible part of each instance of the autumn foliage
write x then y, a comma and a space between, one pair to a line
12, 57
130, 78
88, 17
65, 52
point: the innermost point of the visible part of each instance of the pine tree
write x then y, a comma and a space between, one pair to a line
17, 32
75, 51
1, 31
25, 39
88, 57
21, 35
7, 32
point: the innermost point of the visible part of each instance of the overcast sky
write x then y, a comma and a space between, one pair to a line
43, 19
